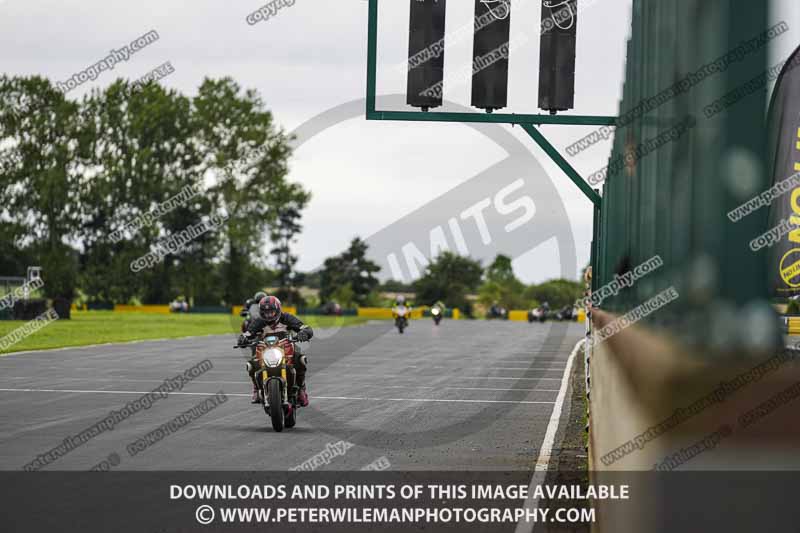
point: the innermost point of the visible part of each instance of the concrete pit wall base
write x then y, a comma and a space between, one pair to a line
658, 403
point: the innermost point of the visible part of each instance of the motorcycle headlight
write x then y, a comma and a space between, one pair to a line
435, 312
273, 357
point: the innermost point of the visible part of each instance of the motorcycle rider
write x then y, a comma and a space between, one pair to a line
401, 311
250, 309
400, 303
271, 319
440, 306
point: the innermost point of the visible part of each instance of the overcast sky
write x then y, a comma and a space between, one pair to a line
310, 58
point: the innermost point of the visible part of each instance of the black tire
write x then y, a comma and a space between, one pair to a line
275, 399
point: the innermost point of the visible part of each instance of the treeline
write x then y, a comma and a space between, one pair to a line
457, 281
87, 187
452, 278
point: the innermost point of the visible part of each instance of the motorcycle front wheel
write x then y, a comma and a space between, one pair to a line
275, 399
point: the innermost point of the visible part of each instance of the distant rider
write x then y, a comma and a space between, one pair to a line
271, 319
250, 309
400, 303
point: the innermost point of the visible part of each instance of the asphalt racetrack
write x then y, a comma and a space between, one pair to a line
468, 395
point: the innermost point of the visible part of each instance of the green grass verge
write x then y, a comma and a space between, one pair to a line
98, 327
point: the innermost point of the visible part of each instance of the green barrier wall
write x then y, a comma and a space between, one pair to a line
673, 201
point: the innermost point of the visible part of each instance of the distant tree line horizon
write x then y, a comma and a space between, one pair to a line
348, 279
74, 174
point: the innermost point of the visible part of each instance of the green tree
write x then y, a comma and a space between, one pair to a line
392, 285
344, 296
350, 269
501, 286
557, 292
42, 151
143, 154
246, 154
283, 234
449, 278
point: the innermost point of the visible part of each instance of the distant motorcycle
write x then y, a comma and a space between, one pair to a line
436, 313
497, 312
400, 314
567, 313
272, 365
537, 315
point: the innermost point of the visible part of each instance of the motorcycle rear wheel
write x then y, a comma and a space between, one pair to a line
275, 404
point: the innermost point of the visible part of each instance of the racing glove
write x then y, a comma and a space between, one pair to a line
302, 335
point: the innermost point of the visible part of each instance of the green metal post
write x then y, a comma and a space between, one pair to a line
493, 118
372, 56
562, 163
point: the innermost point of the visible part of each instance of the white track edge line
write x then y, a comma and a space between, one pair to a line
543, 461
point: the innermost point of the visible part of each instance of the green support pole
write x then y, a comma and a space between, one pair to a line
562, 163
372, 55
492, 118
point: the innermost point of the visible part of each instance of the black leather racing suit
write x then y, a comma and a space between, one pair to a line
258, 327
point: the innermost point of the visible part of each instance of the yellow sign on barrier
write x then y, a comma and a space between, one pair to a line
384, 313
154, 309
518, 316
374, 312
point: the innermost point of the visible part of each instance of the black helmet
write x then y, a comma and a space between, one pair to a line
270, 309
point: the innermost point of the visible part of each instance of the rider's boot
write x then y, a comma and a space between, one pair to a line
255, 398
302, 396
300, 368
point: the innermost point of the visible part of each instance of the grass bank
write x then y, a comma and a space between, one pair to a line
99, 327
